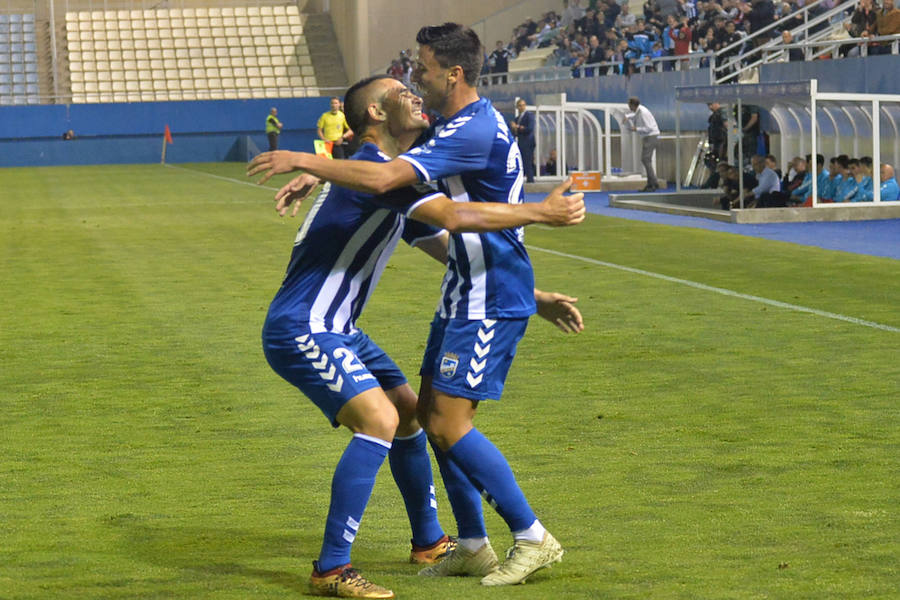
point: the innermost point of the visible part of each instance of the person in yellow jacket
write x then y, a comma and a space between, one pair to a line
333, 128
273, 128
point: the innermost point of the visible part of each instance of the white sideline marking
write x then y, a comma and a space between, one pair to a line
231, 179
723, 291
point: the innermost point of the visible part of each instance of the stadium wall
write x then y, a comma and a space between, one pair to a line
372, 32
203, 131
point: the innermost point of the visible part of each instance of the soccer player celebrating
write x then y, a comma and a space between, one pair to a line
310, 337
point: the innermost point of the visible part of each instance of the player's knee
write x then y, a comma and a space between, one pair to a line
383, 424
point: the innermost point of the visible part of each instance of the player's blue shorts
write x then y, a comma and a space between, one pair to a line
471, 359
329, 368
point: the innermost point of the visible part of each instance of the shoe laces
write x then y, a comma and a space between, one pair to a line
354, 578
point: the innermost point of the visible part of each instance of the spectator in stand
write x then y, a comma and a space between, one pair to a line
499, 63
668, 42
862, 24
767, 184
730, 10
595, 54
395, 70
732, 42
681, 39
610, 13
890, 191
572, 13
625, 19
760, 15
888, 23
719, 34
791, 54
590, 24
523, 128
668, 7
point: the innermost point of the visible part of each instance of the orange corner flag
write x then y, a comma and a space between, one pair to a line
168, 134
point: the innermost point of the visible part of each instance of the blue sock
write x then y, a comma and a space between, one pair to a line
464, 497
351, 486
411, 468
487, 468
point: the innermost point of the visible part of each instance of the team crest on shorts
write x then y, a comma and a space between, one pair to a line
448, 365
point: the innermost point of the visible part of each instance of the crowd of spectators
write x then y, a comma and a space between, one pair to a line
597, 37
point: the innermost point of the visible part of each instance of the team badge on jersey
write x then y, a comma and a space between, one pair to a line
449, 362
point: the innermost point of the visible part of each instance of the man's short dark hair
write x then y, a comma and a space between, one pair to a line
356, 103
843, 160
866, 161
454, 44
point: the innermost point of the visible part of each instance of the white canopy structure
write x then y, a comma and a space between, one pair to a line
814, 122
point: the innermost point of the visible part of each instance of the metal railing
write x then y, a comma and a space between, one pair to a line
733, 60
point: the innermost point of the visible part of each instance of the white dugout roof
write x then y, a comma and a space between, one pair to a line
832, 123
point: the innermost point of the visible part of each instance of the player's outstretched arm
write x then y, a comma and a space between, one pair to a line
560, 310
557, 209
295, 193
360, 175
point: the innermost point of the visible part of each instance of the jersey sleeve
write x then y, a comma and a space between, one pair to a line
415, 232
464, 144
320, 124
405, 200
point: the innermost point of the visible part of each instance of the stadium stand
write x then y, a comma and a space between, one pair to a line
188, 54
18, 59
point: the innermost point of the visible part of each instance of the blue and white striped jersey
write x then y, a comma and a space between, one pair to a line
474, 158
341, 251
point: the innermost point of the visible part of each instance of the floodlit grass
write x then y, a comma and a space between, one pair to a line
688, 444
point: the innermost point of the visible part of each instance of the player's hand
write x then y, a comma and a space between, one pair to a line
271, 163
295, 193
560, 310
563, 209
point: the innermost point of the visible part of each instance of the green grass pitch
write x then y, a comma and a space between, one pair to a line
689, 444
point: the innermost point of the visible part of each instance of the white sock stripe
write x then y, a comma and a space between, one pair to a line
352, 523
410, 437
373, 439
